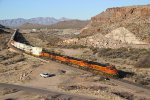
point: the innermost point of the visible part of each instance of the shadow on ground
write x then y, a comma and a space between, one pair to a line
123, 74
19, 38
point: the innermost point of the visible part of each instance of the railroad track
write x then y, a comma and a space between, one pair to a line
145, 91
53, 95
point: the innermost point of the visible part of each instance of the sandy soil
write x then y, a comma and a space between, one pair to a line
19, 69
7, 94
65, 79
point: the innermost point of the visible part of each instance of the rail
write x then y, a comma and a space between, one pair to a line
54, 95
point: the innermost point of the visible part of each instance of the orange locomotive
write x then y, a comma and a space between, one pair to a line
103, 68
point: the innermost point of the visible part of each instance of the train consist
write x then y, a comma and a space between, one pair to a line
37, 51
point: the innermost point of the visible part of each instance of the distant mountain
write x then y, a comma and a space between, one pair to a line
70, 24
60, 25
39, 20
64, 19
31, 26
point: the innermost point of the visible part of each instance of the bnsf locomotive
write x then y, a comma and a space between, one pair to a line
109, 69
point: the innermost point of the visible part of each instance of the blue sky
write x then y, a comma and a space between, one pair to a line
77, 9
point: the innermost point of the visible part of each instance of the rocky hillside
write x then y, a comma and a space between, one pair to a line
117, 27
5, 34
1, 26
135, 19
4, 29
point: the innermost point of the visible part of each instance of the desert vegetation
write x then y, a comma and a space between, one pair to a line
124, 53
143, 62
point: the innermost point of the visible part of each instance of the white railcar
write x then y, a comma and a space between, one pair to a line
36, 51
27, 48
22, 46
17, 45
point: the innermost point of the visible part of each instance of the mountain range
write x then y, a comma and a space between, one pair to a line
38, 20
59, 25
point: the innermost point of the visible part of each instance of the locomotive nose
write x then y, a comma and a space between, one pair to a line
112, 70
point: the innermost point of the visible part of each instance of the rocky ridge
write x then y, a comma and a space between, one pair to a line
117, 27
136, 19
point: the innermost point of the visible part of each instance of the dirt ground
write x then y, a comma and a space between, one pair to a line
130, 72
72, 80
24, 70
13, 94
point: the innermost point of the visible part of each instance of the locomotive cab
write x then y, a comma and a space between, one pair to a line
111, 67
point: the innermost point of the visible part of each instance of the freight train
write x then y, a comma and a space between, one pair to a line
37, 51
108, 69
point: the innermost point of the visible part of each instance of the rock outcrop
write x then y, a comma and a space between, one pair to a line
120, 37
136, 19
124, 35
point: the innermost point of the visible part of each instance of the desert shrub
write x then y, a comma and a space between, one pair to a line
72, 46
125, 95
114, 53
124, 53
143, 62
52, 39
8, 91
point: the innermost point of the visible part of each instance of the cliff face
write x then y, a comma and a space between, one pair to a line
136, 19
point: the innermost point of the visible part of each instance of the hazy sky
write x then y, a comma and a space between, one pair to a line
79, 9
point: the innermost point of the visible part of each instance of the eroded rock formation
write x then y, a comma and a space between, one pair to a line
136, 19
